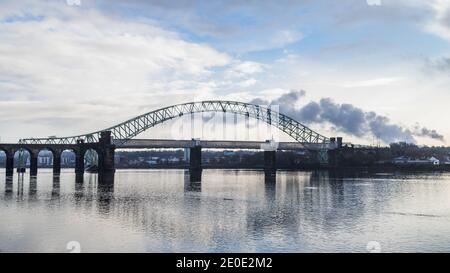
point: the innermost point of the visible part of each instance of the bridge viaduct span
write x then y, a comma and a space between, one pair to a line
103, 147
104, 142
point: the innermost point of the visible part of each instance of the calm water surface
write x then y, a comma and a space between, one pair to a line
229, 211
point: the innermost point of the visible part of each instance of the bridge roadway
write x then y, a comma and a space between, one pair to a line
106, 146
219, 144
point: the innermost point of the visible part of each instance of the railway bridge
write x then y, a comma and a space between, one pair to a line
122, 136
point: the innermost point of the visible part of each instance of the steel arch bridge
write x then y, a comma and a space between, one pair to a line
132, 127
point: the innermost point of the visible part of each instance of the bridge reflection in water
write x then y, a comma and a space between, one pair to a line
214, 210
85, 185
105, 183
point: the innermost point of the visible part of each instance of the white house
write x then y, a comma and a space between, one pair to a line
414, 161
433, 160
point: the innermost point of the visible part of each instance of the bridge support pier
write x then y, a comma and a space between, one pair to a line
106, 154
270, 160
56, 164
193, 181
334, 154
195, 158
79, 162
9, 165
106, 169
33, 164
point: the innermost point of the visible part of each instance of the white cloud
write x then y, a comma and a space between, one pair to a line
242, 74
435, 15
440, 23
241, 69
247, 83
65, 63
286, 37
261, 40
374, 2
72, 69
371, 82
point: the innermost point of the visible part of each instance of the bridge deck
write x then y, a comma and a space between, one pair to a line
216, 144
176, 144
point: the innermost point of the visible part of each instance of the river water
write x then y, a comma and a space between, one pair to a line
228, 211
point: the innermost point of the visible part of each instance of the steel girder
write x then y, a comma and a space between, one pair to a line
131, 128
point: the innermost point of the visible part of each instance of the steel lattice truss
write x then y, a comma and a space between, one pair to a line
131, 128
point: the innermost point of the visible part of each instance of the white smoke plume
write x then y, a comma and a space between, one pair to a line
347, 118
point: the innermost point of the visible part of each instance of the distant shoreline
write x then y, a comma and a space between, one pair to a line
372, 168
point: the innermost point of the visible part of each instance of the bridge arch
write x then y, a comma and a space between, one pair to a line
90, 157
5, 156
21, 156
54, 152
7, 153
132, 127
44, 160
30, 151
66, 157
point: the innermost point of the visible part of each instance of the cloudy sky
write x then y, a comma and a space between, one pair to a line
363, 69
